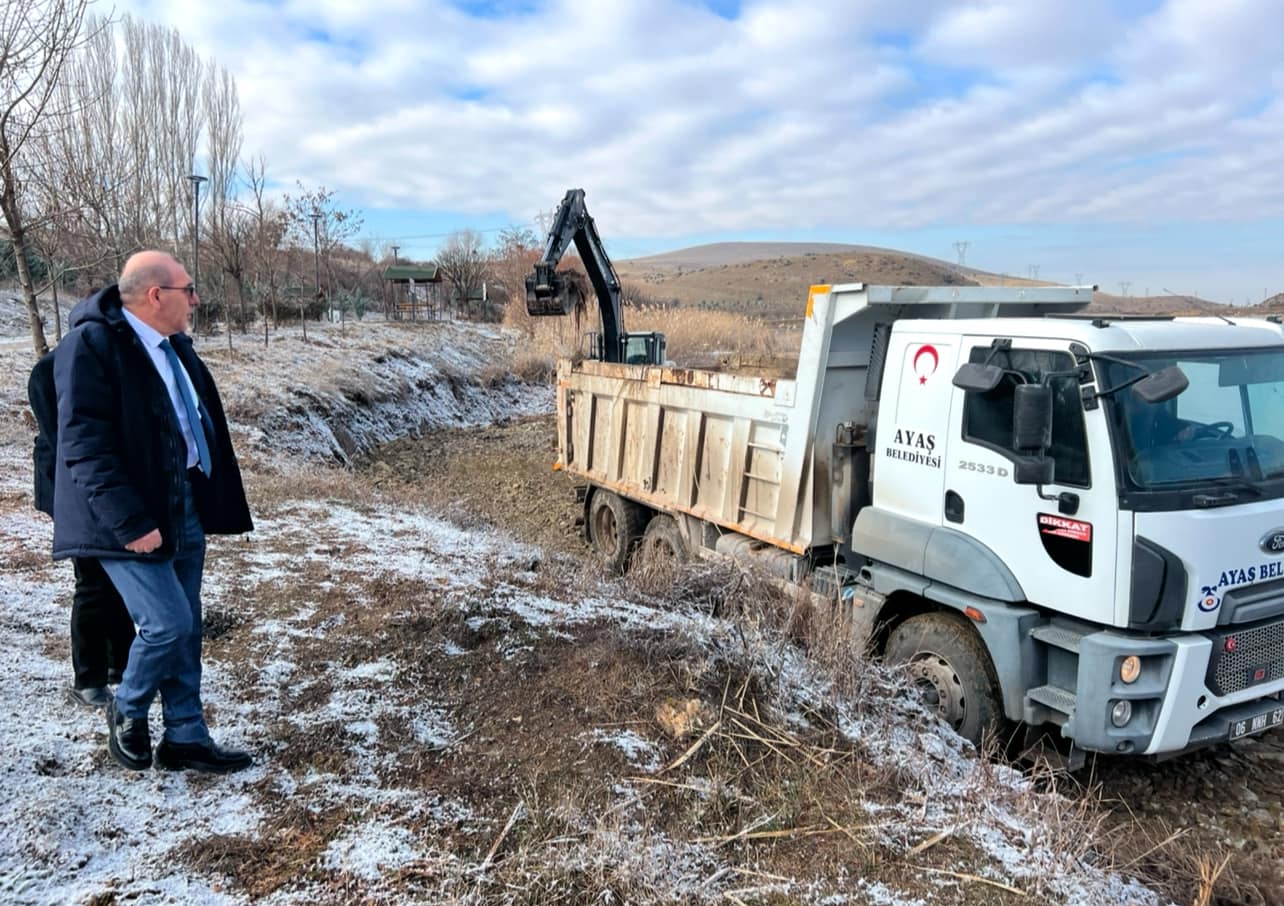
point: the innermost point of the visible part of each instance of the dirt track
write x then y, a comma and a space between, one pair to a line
1227, 799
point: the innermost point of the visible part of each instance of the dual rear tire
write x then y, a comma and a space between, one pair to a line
620, 529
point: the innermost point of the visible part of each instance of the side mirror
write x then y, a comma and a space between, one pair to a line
1163, 385
1032, 417
1033, 470
977, 378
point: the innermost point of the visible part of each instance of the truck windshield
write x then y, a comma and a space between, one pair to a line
1220, 441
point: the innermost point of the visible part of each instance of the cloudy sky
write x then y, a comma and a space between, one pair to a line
1136, 141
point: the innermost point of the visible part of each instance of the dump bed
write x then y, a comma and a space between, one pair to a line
753, 454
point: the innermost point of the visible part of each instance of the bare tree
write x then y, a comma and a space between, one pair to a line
464, 265
231, 226
37, 37
514, 260
271, 225
106, 183
317, 222
84, 165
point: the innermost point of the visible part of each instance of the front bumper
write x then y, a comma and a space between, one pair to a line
1182, 699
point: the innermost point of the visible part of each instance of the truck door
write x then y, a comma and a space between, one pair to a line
1062, 554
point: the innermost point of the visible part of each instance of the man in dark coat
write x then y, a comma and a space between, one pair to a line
145, 469
101, 628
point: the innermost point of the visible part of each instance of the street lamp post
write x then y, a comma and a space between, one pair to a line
196, 233
395, 249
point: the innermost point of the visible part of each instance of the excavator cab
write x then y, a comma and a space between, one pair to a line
640, 347
644, 348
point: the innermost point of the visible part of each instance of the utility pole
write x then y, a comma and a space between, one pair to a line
1078, 278
1034, 272
196, 243
316, 253
1125, 285
961, 248
395, 249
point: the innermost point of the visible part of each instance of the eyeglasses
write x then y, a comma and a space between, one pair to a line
190, 289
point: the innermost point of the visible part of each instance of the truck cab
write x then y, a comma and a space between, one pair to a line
1126, 562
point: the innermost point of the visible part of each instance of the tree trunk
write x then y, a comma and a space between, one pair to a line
57, 312
38, 341
18, 237
240, 292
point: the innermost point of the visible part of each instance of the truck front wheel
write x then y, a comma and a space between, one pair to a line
615, 528
948, 663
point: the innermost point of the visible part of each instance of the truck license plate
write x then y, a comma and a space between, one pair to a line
1251, 725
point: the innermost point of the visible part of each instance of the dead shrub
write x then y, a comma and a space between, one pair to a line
535, 368
693, 336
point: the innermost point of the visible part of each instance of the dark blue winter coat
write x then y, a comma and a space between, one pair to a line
121, 457
44, 405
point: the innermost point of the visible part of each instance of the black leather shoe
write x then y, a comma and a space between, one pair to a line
201, 756
128, 739
90, 696
114, 677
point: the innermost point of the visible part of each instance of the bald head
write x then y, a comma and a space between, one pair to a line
144, 270
157, 290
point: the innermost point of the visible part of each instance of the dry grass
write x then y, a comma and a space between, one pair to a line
810, 788
693, 337
1179, 867
693, 334
276, 484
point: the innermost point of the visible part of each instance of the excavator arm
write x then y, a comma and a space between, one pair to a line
548, 293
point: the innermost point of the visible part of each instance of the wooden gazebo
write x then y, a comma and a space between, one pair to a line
413, 291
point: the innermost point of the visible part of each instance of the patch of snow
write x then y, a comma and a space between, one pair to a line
430, 727
640, 752
371, 849
380, 671
877, 894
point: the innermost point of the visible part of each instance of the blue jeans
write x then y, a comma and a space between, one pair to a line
164, 600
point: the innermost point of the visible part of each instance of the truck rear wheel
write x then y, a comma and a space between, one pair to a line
662, 543
948, 663
615, 528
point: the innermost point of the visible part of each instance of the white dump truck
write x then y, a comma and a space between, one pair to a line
1065, 519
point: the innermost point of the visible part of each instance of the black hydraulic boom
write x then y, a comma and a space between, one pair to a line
549, 293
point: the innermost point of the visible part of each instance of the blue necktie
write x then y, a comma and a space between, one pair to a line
190, 404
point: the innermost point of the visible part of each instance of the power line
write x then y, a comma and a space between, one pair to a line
424, 235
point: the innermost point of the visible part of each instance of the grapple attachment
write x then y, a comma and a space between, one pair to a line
549, 293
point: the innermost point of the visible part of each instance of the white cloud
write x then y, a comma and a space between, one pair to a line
1007, 34
794, 117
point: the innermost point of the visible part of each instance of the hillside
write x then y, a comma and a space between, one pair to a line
775, 285
1272, 306
771, 279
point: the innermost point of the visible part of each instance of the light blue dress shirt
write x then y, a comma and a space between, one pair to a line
151, 342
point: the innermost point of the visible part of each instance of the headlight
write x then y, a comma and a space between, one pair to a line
1121, 713
1130, 669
